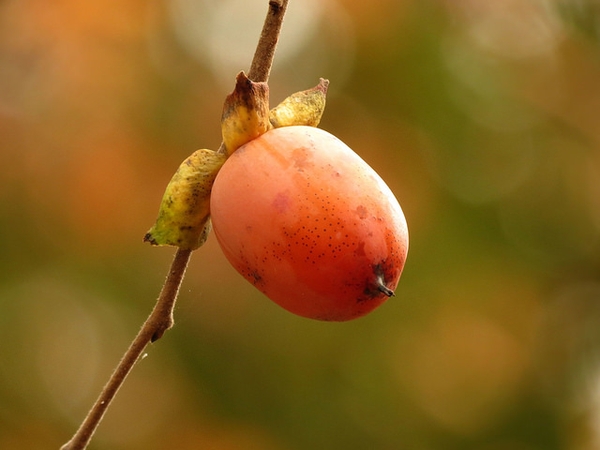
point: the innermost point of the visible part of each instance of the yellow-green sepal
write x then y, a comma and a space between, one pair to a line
184, 215
301, 108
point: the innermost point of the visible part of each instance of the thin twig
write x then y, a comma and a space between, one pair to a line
159, 321
260, 69
161, 317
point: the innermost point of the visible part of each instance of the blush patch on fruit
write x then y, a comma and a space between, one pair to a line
362, 212
301, 159
281, 202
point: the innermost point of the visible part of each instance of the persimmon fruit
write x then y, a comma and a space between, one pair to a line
310, 224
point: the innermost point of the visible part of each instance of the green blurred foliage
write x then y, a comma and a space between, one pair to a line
482, 116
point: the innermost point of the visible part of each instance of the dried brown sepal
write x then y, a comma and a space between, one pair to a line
245, 113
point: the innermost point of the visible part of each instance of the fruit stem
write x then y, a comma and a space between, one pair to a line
159, 321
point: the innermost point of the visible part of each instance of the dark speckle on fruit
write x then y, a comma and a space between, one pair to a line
255, 277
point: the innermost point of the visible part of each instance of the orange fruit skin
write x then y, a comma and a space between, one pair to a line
309, 223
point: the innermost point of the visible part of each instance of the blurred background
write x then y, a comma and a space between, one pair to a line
482, 116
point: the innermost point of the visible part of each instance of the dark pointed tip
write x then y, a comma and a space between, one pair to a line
386, 290
381, 287
148, 238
